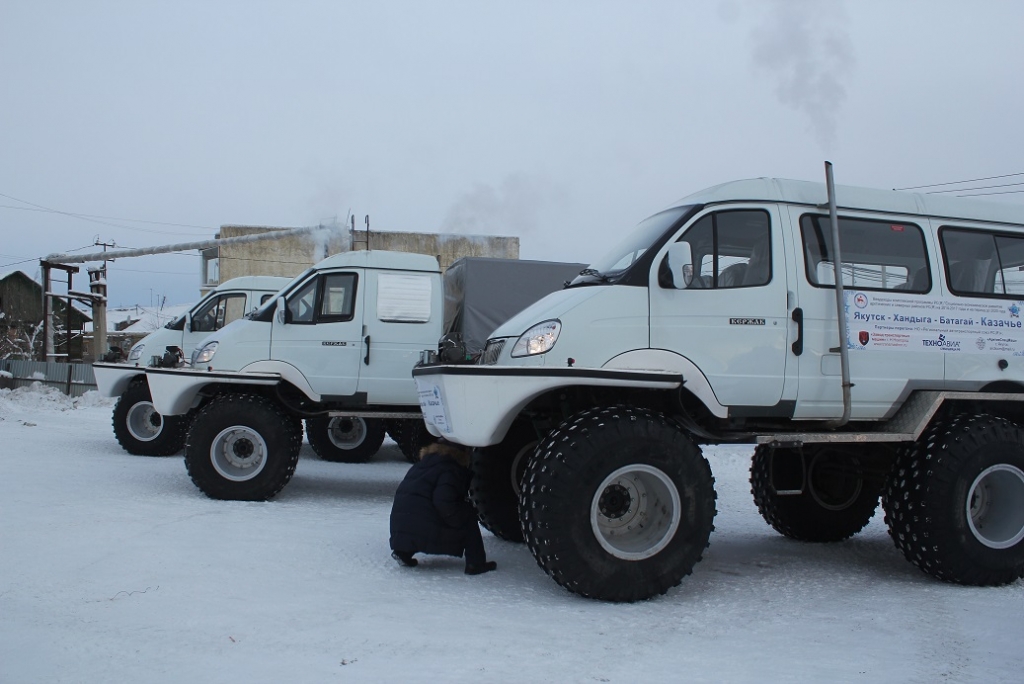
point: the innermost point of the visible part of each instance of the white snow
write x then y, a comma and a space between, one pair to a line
115, 568
146, 319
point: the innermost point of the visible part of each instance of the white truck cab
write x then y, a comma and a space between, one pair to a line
139, 428
335, 348
716, 321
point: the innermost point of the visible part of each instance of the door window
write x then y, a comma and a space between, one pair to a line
983, 263
729, 249
877, 255
218, 312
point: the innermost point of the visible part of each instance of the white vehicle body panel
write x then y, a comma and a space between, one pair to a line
475, 405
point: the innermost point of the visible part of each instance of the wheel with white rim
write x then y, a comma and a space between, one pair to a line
497, 476
242, 447
345, 439
822, 493
140, 429
618, 504
954, 501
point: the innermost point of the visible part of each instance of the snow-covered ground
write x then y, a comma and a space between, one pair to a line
115, 568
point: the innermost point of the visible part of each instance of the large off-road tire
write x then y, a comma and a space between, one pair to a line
837, 493
345, 439
140, 430
242, 447
411, 438
954, 501
618, 504
497, 473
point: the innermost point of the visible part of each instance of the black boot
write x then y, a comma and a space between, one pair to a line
481, 569
405, 558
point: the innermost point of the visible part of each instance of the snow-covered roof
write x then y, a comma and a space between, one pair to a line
146, 319
10, 272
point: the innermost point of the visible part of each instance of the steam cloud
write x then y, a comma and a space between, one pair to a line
805, 47
513, 208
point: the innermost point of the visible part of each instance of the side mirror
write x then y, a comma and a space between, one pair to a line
281, 311
680, 263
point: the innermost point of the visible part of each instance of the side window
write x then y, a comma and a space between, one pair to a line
265, 298
729, 249
211, 317
300, 304
233, 307
877, 255
983, 263
403, 298
338, 302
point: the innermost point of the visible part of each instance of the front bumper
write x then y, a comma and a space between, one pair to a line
476, 405
112, 378
174, 390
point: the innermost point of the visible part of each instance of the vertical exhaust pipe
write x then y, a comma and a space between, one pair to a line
837, 262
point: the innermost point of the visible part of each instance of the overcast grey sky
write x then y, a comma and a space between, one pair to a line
564, 123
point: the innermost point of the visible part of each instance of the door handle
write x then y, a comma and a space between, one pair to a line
798, 318
366, 359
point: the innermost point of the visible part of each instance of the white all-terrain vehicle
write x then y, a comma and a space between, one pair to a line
716, 321
335, 348
138, 427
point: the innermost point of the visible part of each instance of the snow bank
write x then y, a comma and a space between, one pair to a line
39, 397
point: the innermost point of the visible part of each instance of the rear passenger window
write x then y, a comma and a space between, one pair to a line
980, 263
877, 255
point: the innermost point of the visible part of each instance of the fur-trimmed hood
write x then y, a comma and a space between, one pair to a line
458, 453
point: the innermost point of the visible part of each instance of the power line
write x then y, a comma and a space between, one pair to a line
981, 187
972, 180
92, 218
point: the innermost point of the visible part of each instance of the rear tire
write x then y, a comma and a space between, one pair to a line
345, 439
412, 437
242, 447
497, 476
618, 504
839, 496
140, 430
954, 501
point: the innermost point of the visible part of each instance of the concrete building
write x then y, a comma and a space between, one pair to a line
292, 254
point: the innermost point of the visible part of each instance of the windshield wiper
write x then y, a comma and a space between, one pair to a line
589, 273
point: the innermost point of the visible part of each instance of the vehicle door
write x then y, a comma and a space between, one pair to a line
730, 318
403, 317
984, 274
320, 334
892, 303
211, 315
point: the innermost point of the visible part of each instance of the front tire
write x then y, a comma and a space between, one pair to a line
497, 476
242, 447
830, 494
140, 430
344, 439
954, 501
618, 504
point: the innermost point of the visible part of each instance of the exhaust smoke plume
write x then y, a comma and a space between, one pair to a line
804, 46
513, 208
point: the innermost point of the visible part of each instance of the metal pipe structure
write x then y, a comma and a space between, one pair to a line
164, 249
837, 262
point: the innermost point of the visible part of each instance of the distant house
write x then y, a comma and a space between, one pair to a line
21, 318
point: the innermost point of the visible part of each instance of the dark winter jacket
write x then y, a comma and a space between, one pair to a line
431, 513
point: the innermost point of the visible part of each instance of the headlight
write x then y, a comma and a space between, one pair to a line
205, 354
538, 339
136, 353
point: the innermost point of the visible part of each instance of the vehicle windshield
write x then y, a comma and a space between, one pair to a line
272, 302
617, 260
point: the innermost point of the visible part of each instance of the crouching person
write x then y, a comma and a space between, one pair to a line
432, 513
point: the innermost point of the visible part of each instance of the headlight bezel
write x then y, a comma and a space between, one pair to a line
136, 353
539, 339
205, 353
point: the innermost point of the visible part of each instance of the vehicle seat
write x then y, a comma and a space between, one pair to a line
732, 276
759, 267
968, 276
918, 282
